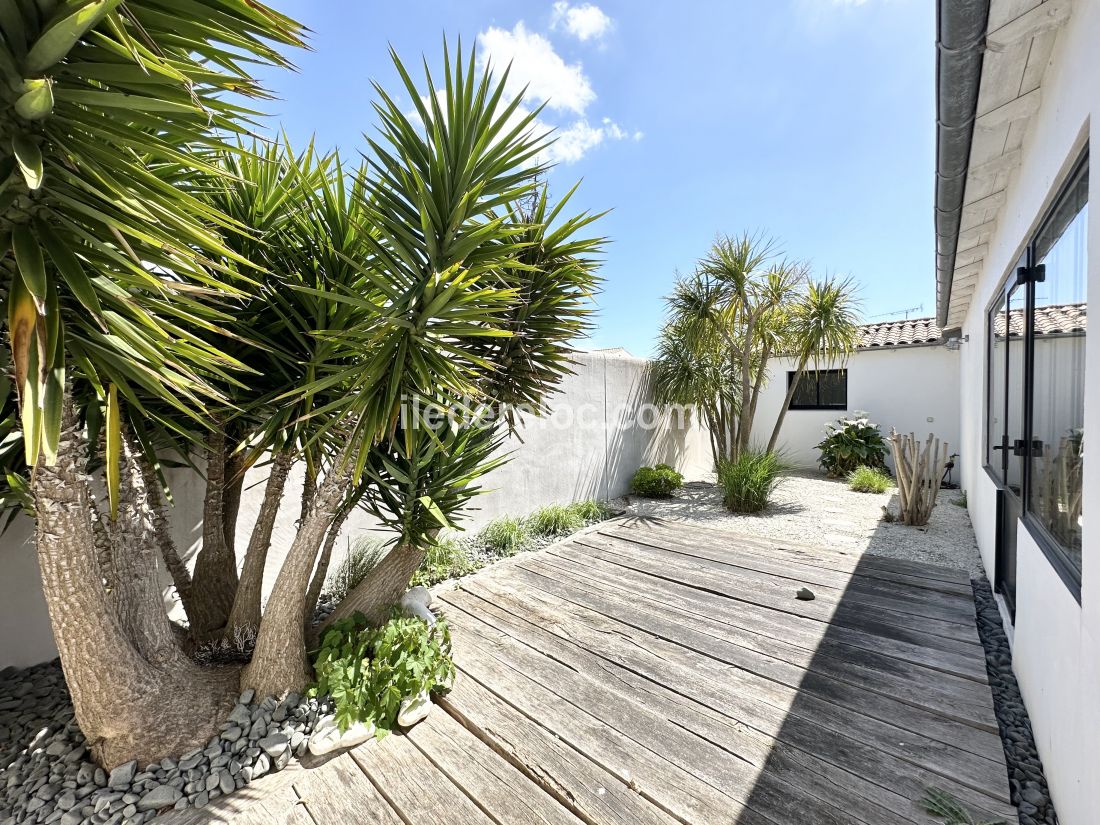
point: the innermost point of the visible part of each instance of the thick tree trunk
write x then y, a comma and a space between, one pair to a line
137, 594
309, 487
162, 530
234, 486
246, 606
279, 662
376, 595
214, 585
126, 706
313, 595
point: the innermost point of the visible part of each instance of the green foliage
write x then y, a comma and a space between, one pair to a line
851, 443
869, 480
660, 481
446, 558
748, 481
505, 536
368, 671
943, 805
590, 511
554, 520
362, 557
110, 113
961, 500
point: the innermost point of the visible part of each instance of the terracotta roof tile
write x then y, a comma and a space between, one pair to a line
1058, 319
899, 333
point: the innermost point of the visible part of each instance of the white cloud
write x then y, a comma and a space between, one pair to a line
574, 141
585, 22
535, 64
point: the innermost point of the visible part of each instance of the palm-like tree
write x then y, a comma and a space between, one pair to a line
110, 110
822, 327
728, 315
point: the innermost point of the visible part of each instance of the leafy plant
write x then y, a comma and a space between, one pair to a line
590, 511
554, 520
851, 443
961, 500
656, 482
869, 480
446, 559
369, 671
505, 536
944, 806
749, 480
363, 556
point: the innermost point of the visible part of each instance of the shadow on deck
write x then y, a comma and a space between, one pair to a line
655, 672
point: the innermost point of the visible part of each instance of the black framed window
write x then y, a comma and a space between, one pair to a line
1035, 414
820, 390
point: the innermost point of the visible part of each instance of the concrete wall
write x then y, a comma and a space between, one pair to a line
912, 389
1056, 640
599, 432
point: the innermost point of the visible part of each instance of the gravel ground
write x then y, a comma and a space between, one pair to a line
813, 509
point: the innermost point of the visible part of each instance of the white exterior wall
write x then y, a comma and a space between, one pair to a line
1056, 640
912, 389
589, 447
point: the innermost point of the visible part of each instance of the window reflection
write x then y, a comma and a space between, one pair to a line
1055, 489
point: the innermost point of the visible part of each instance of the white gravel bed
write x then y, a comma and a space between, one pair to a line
817, 510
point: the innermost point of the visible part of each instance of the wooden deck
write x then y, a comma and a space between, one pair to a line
655, 672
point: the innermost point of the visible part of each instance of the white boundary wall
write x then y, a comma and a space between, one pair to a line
1056, 641
589, 447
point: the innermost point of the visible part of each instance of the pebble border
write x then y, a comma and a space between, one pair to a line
1026, 780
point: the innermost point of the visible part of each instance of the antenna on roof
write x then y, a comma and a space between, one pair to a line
904, 312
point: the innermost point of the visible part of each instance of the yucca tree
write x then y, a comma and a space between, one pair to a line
435, 274
689, 372
820, 328
728, 316
108, 111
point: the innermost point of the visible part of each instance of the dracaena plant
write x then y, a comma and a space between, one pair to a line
109, 112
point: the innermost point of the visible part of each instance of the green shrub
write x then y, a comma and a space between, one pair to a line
362, 556
446, 559
369, 671
554, 520
656, 482
869, 480
960, 501
590, 511
748, 482
505, 536
851, 443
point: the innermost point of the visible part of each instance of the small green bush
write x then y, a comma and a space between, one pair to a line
505, 536
446, 559
656, 482
590, 511
362, 557
554, 520
369, 671
851, 443
869, 480
748, 482
960, 501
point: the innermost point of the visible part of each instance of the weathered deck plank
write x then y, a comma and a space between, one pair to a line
622, 651
655, 673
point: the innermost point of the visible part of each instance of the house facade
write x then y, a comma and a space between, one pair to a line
1018, 252
902, 375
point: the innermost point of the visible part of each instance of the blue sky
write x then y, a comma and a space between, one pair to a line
810, 119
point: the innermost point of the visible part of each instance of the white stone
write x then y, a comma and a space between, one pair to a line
327, 736
414, 709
